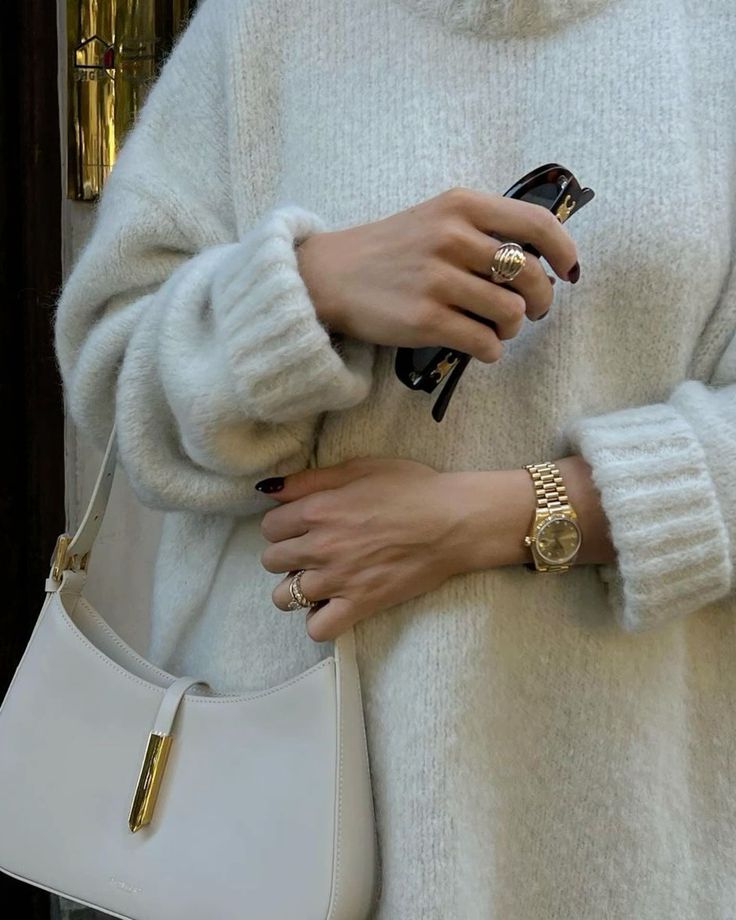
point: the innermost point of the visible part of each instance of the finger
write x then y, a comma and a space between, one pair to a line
530, 293
284, 522
526, 223
474, 251
313, 479
332, 619
463, 333
532, 282
288, 555
314, 583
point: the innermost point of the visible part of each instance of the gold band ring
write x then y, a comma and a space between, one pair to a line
507, 262
298, 597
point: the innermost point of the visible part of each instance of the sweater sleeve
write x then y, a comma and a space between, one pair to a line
665, 473
195, 334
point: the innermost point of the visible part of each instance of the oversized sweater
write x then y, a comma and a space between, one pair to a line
556, 747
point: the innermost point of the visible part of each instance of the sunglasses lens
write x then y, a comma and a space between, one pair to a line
545, 193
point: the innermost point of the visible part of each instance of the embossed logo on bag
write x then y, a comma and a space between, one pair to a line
124, 886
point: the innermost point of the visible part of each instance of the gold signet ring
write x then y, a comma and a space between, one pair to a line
507, 262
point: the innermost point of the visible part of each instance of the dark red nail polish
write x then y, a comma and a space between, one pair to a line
574, 273
272, 484
552, 279
537, 318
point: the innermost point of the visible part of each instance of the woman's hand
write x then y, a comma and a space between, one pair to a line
372, 532
407, 280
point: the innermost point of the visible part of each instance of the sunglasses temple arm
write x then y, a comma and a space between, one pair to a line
443, 400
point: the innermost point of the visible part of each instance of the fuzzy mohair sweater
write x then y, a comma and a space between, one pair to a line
542, 747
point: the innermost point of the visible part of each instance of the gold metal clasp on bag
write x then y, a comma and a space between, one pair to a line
149, 780
156, 755
62, 560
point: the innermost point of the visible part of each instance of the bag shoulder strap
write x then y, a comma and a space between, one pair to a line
73, 551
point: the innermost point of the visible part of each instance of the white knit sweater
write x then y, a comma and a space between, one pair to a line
543, 748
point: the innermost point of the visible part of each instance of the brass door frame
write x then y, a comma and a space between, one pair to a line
115, 48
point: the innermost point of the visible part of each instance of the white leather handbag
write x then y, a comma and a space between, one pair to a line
152, 797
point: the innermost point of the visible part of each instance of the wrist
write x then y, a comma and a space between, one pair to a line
311, 265
494, 512
496, 508
597, 547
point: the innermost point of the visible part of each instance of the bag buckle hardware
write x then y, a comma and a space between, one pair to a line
62, 560
149, 780
156, 755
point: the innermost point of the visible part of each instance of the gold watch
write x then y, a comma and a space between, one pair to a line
555, 536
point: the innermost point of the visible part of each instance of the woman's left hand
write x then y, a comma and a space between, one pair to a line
372, 532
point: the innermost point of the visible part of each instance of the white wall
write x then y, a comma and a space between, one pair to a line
122, 560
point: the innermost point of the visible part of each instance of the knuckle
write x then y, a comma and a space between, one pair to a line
315, 509
425, 320
264, 558
456, 197
510, 330
436, 280
544, 220
547, 296
422, 312
515, 308
265, 526
418, 314
429, 324
490, 350
433, 333
321, 547
452, 237
510, 312
317, 630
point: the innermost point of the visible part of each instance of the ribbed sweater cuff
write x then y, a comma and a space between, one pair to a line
666, 525
286, 363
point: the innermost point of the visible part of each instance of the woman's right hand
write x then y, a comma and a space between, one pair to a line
406, 280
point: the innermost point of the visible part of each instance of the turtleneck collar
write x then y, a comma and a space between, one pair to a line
497, 18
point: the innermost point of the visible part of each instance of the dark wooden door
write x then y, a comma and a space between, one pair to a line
32, 455
31, 397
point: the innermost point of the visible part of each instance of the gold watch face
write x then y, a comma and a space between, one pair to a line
558, 540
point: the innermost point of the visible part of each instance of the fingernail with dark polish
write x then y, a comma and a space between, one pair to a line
552, 279
537, 318
574, 273
272, 484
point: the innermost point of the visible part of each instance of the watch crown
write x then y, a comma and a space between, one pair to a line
527, 541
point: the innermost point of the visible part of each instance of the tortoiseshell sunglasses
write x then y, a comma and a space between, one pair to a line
551, 186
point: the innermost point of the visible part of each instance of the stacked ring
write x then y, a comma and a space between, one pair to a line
298, 597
